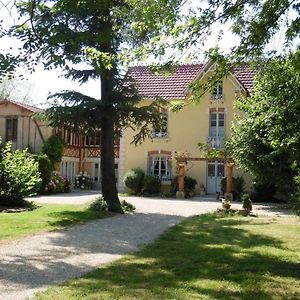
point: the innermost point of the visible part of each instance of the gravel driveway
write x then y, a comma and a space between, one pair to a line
33, 264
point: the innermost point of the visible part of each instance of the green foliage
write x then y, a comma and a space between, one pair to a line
83, 181
238, 185
247, 203
296, 196
57, 184
223, 185
99, 204
189, 185
54, 149
266, 140
45, 169
127, 207
19, 175
263, 191
134, 180
151, 185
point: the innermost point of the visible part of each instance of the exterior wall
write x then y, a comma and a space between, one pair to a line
185, 130
29, 130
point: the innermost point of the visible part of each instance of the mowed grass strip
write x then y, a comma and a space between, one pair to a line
45, 218
205, 257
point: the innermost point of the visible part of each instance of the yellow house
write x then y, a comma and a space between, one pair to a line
209, 122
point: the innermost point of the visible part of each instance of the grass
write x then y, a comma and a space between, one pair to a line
46, 218
205, 257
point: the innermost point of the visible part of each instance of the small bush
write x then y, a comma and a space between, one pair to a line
57, 184
263, 192
223, 185
296, 196
127, 207
83, 181
45, 169
151, 185
19, 175
134, 180
54, 149
238, 185
189, 185
99, 204
247, 203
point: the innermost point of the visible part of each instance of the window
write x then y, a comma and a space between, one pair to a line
70, 137
160, 166
93, 140
11, 129
162, 131
216, 129
217, 92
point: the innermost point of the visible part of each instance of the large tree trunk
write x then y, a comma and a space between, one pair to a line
108, 178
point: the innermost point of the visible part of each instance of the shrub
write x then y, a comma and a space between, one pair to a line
189, 185
223, 185
296, 196
83, 181
99, 204
57, 184
134, 180
127, 207
45, 169
54, 149
19, 175
263, 191
238, 185
151, 185
247, 203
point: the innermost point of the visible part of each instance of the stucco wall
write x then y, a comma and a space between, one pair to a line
185, 130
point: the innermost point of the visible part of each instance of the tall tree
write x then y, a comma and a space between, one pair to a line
266, 139
92, 39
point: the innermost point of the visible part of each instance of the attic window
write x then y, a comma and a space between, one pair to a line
217, 91
162, 130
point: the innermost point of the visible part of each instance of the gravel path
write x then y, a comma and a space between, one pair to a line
33, 264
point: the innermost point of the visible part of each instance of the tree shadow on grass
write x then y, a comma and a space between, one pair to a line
207, 258
67, 217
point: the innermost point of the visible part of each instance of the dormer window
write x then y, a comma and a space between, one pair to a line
217, 91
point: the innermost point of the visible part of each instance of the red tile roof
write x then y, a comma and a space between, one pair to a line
175, 85
169, 87
245, 75
22, 105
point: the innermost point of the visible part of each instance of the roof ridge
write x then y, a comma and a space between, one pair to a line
23, 105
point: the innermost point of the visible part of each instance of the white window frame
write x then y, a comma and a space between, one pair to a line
163, 132
217, 91
167, 174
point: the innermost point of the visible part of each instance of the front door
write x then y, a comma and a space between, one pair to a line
215, 173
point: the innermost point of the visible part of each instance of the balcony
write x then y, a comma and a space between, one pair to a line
216, 141
216, 97
160, 134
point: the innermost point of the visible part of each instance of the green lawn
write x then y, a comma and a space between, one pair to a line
204, 257
45, 218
